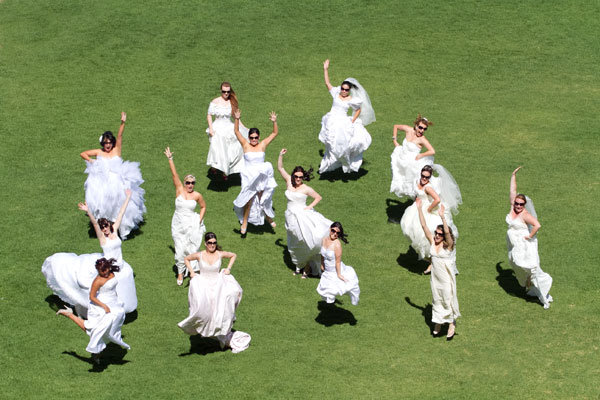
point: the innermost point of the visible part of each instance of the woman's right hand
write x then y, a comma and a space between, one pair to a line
517, 170
326, 64
106, 309
282, 152
342, 278
237, 114
211, 133
441, 210
168, 153
123, 116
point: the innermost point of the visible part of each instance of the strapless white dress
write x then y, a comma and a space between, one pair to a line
225, 152
406, 170
331, 286
257, 176
187, 231
443, 286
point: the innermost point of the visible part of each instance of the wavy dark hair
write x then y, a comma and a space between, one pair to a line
103, 264
211, 235
253, 130
446, 244
108, 135
103, 222
342, 236
232, 97
352, 85
306, 175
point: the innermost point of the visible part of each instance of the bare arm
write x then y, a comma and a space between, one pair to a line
122, 210
322, 264
96, 285
202, 205
405, 128
422, 220
355, 115
316, 196
273, 135
188, 265
282, 171
338, 261
89, 153
232, 257
209, 119
430, 150
513, 186
176, 181
236, 128
447, 235
535, 224
436, 199
326, 74
84, 207
120, 134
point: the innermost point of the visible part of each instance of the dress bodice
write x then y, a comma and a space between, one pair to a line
254, 157
410, 146
209, 271
444, 254
328, 259
340, 106
112, 249
108, 292
516, 224
295, 199
220, 110
184, 206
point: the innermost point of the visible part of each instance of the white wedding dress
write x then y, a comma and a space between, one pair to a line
70, 277
213, 298
525, 261
331, 286
105, 191
225, 152
105, 327
344, 141
187, 231
305, 232
406, 169
443, 286
257, 176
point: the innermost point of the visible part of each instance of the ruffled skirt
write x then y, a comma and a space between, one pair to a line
344, 142
331, 286
256, 178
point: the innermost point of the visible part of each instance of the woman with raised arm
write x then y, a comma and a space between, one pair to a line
105, 311
225, 152
425, 189
407, 159
443, 273
305, 227
255, 201
213, 297
521, 240
187, 226
108, 177
345, 137
337, 278
70, 275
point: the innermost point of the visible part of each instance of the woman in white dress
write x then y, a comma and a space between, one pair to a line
305, 227
106, 314
337, 278
345, 137
70, 275
213, 297
187, 226
443, 273
407, 159
521, 240
255, 201
225, 152
108, 177
430, 200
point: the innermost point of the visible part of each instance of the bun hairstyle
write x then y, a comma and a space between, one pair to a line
422, 119
446, 244
211, 235
307, 175
232, 97
342, 236
102, 264
103, 222
108, 135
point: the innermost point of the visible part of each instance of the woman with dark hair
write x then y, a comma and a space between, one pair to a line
345, 137
521, 240
213, 297
187, 226
224, 153
305, 227
431, 199
443, 273
255, 201
337, 278
70, 275
407, 159
105, 311
108, 177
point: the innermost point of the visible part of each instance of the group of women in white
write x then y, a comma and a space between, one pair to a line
101, 287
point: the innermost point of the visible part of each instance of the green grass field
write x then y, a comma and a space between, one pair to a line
506, 83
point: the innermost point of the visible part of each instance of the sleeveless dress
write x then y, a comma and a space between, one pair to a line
405, 169
102, 327
305, 232
344, 141
187, 231
213, 298
105, 191
70, 277
525, 261
443, 286
225, 152
331, 286
257, 176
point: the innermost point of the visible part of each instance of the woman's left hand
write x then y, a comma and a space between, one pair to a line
123, 116
273, 116
441, 210
227, 271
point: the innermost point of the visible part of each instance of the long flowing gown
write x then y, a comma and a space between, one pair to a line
257, 176
70, 277
305, 232
105, 327
344, 141
411, 225
225, 152
105, 191
187, 231
213, 298
443, 286
331, 286
405, 169
525, 261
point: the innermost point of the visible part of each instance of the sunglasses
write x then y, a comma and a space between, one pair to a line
225, 91
335, 231
345, 90
211, 243
426, 176
423, 128
298, 176
439, 233
253, 137
519, 204
190, 183
105, 143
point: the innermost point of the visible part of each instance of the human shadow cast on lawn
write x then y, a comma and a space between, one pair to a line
507, 280
55, 303
426, 312
339, 175
111, 355
217, 183
203, 346
286, 255
410, 261
395, 209
257, 230
137, 231
331, 314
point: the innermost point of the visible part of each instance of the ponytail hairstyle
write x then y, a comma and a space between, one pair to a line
211, 235
342, 236
232, 97
102, 264
422, 119
307, 175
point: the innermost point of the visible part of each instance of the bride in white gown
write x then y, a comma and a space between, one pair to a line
70, 275
108, 177
255, 201
305, 227
213, 297
187, 226
345, 137
225, 152
521, 240
106, 314
407, 159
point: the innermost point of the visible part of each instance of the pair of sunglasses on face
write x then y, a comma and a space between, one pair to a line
190, 182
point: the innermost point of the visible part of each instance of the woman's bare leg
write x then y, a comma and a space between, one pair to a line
69, 314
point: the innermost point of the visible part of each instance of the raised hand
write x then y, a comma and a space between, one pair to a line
168, 153
282, 152
517, 170
441, 210
123, 116
83, 207
273, 116
237, 114
326, 64
128, 192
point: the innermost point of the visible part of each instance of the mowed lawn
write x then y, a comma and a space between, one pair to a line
506, 84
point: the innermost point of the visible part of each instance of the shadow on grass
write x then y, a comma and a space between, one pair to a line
331, 314
410, 261
286, 255
507, 281
395, 209
339, 175
111, 355
257, 230
134, 233
203, 346
217, 183
426, 312
55, 303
